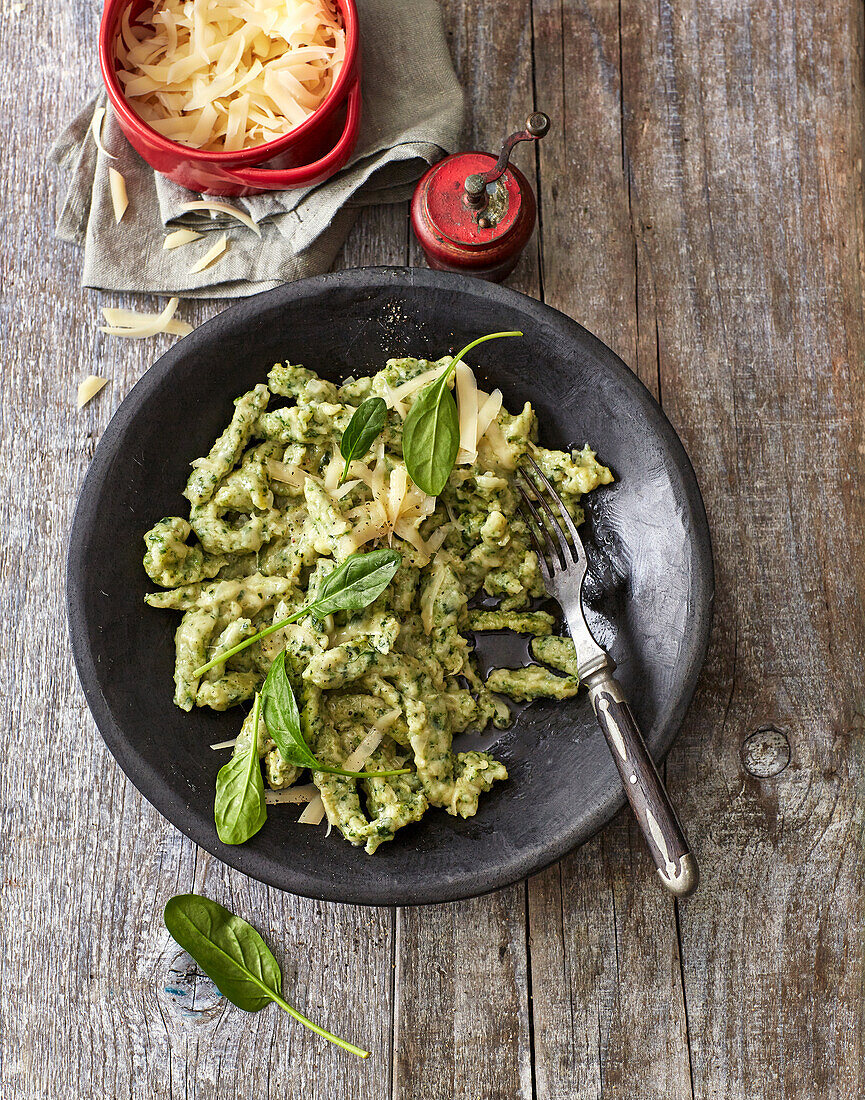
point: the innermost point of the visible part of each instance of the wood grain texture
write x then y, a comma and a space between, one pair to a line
701, 210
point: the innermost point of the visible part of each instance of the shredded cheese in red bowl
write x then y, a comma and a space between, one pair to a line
207, 91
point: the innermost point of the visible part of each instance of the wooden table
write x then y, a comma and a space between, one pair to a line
701, 198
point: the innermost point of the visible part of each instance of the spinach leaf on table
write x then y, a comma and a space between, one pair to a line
235, 958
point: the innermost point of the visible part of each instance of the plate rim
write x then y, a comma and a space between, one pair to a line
149, 782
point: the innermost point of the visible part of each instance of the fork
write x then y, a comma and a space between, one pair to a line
563, 567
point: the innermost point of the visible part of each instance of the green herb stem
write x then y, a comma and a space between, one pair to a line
355, 584
431, 430
223, 657
301, 1019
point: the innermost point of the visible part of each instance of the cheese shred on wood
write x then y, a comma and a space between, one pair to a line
89, 388
224, 75
129, 323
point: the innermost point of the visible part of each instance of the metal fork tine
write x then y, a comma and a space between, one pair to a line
541, 536
539, 550
572, 527
553, 526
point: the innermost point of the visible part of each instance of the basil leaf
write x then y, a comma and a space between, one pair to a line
282, 718
367, 421
354, 585
359, 581
239, 808
431, 437
431, 432
235, 957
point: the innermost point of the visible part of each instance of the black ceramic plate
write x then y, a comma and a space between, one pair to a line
649, 596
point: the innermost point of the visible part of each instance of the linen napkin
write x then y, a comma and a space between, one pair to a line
411, 116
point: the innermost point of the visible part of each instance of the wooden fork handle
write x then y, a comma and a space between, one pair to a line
646, 793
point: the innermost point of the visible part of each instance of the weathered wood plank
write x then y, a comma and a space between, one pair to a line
743, 127
608, 1013
462, 1027
96, 999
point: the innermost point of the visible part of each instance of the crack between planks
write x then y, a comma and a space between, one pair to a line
529, 997
537, 152
394, 994
601, 1073
684, 994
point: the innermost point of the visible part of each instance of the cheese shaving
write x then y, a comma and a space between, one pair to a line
137, 325
289, 474
180, 237
132, 319
212, 254
333, 471
89, 388
499, 446
345, 489
222, 208
225, 744
414, 384
488, 411
307, 792
225, 75
429, 595
119, 198
467, 396
96, 131
313, 814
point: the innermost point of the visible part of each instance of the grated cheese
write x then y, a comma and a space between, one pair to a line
289, 474
488, 411
332, 473
96, 130
313, 814
225, 744
212, 254
307, 792
131, 319
222, 208
119, 198
137, 325
180, 237
467, 396
89, 388
229, 74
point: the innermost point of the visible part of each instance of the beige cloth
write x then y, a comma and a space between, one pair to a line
412, 116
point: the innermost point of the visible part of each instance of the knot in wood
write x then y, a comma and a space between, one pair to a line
765, 753
189, 992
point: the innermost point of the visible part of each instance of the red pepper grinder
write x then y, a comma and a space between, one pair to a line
473, 214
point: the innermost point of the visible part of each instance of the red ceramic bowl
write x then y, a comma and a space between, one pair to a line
310, 153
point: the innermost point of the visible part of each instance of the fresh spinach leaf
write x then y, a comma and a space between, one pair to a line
354, 585
235, 958
359, 581
431, 432
366, 423
239, 808
282, 718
